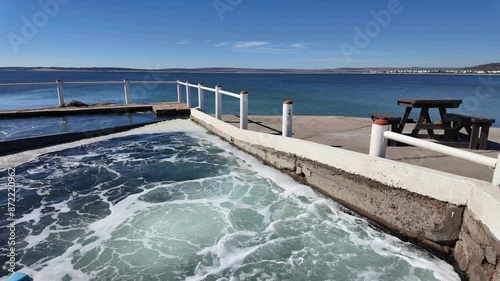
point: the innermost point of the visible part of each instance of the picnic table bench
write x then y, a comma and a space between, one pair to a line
477, 129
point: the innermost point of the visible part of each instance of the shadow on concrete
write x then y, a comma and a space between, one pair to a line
258, 123
493, 145
276, 132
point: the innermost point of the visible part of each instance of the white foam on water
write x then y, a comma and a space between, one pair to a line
121, 213
441, 270
34, 240
59, 268
171, 159
390, 246
228, 256
35, 216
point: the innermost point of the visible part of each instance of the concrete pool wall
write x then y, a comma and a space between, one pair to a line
450, 213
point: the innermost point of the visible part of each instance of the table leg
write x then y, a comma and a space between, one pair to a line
421, 118
474, 136
430, 132
403, 121
483, 140
448, 133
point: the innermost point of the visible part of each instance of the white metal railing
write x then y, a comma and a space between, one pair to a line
381, 133
243, 97
95, 83
60, 86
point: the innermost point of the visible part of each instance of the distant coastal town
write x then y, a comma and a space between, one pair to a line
435, 71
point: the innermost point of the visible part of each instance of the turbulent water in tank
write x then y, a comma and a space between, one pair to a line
170, 202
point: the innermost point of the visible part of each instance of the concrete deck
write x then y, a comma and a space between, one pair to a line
163, 108
353, 133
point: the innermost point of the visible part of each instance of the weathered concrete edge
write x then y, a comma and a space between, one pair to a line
484, 203
482, 198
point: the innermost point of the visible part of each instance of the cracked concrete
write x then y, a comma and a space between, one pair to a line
353, 133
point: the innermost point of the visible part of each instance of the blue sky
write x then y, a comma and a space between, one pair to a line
249, 33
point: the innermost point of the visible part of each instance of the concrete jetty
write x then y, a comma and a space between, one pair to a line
353, 133
160, 108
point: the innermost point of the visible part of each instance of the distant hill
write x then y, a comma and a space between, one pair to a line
484, 67
489, 66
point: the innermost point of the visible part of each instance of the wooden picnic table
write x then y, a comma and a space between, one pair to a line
424, 121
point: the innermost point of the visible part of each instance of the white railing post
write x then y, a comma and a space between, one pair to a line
60, 92
126, 86
378, 143
218, 102
496, 173
287, 118
179, 98
244, 110
188, 95
200, 96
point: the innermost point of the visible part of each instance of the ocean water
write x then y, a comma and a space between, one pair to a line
169, 202
312, 94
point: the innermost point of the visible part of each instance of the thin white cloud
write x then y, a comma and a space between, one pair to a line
251, 44
299, 45
267, 50
221, 44
263, 47
336, 59
181, 42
